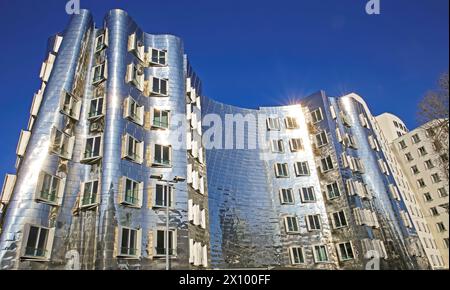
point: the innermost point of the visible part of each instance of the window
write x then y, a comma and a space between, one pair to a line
96, 108
317, 116
132, 149
277, 146
444, 158
320, 254
161, 242
350, 141
395, 124
291, 123
373, 143
296, 144
442, 192
163, 196
38, 242
132, 194
345, 119
50, 189
99, 73
321, 139
136, 46
421, 183
415, 169
89, 193
333, 190
273, 124
160, 119
163, 155
287, 196
100, 42
409, 157
158, 87
130, 241
135, 76
357, 165
346, 251
429, 164
158, 57
446, 242
435, 178
313, 222
339, 219
415, 138
133, 111
70, 105
296, 254
196, 215
301, 168
441, 227
62, 144
92, 149
403, 144
326, 164
422, 151
291, 224
281, 170
307, 194
427, 197
434, 211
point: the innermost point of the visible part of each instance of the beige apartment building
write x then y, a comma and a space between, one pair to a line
423, 184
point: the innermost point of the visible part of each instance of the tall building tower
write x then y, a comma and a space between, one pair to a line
120, 114
420, 159
102, 124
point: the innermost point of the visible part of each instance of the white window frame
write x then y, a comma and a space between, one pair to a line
91, 158
137, 154
59, 188
291, 123
284, 167
300, 253
341, 221
327, 160
296, 144
151, 87
133, 111
93, 201
289, 192
316, 257
103, 73
157, 57
315, 224
160, 112
48, 244
306, 193
137, 188
295, 224
73, 109
300, 168
174, 242
332, 187
155, 162
317, 116
65, 141
322, 139
99, 108
137, 247
164, 188
273, 124
277, 146
343, 258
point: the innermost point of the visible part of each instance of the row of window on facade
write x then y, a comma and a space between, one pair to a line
38, 243
301, 168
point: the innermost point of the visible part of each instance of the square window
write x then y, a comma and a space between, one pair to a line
296, 254
339, 219
415, 169
317, 116
273, 124
281, 170
50, 189
164, 237
346, 251
62, 144
132, 149
89, 194
409, 157
158, 57
291, 123
291, 224
286, 196
422, 151
313, 222
92, 149
38, 242
296, 144
320, 254
301, 168
326, 164
132, 194
96, 109
435, 178
403, 144
277, 146
429, 164
321, 139
130, 240
70, 106
99, 73
442, 192
307, 194
415, 138
427, 197
162, 155
163, 195
333, 190
161, 119
158, 87
133, 111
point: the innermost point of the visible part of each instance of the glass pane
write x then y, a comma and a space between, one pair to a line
160, 247
159, 195
166, 153
32, 241
163, 87
158, 153
125, 241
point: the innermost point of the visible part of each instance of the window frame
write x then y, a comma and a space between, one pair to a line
303, 165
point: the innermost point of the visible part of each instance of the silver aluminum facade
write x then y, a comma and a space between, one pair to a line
245, 226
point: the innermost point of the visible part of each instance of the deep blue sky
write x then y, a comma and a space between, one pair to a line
251, 52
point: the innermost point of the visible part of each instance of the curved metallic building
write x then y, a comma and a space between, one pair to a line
120, 111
